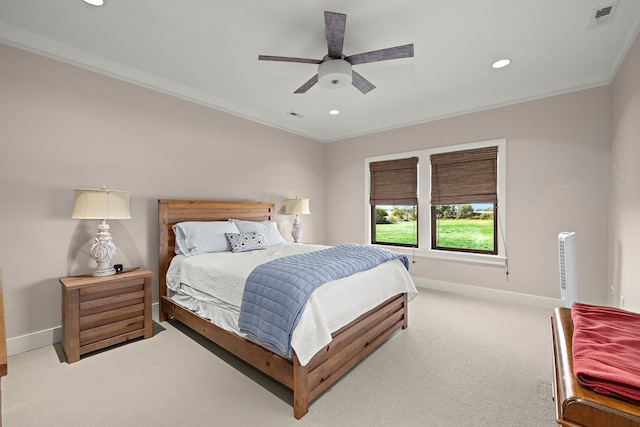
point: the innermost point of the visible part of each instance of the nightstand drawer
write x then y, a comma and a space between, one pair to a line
110, 330
132, 296
110, 289
102, 318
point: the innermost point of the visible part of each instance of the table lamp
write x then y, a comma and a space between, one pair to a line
296, 207
101, 204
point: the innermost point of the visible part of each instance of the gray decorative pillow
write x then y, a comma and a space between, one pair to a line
243, 242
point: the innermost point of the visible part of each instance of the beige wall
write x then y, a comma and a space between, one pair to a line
624, 213
557, 166
63, 127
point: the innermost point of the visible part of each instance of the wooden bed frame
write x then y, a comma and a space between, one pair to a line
350, 344
577, 405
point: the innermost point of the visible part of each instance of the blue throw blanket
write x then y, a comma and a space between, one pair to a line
276, 291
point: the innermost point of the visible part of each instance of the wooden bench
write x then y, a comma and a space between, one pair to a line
577, 405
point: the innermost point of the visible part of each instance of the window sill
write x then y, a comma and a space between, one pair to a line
493, 260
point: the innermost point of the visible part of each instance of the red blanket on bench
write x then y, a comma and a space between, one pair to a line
606, 350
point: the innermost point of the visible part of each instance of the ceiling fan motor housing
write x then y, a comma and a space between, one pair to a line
334, 74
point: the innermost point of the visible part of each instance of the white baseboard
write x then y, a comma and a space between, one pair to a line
53, 336
490, 294
34, 340
44, 338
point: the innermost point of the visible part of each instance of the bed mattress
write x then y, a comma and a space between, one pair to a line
212, 285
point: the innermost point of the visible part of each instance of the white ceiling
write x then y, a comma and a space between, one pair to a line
206, 51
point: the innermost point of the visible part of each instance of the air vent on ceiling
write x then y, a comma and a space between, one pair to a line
602, 15
294, 114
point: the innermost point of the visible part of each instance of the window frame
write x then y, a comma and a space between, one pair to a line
424, 210
404, 170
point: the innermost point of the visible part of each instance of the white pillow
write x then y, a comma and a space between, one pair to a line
268, 229
200, 237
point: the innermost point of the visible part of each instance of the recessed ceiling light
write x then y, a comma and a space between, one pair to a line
94, 2
501, 63
334, 112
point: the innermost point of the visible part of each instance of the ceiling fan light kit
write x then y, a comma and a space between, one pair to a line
335, 74
334, 70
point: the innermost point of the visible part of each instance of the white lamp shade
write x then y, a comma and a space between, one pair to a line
101, 204
296, 207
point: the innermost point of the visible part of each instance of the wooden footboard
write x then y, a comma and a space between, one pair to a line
577, 405
349, 345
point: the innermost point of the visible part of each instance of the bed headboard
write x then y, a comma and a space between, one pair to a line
171, 212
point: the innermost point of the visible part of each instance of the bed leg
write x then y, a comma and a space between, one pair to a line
300, 389
405, 304
162, 314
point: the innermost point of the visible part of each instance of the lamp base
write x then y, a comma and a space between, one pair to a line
296, 232
99, 272
103, 251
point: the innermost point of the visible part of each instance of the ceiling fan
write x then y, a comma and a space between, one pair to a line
335, 69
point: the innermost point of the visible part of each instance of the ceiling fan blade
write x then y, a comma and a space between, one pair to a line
363, 85
335, 24
404, 51
288, 59
305, 87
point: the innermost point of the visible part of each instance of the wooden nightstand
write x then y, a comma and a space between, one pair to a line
98, 312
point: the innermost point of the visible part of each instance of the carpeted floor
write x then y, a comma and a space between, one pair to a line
462, 362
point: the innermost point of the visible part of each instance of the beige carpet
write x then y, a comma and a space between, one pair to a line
461, 362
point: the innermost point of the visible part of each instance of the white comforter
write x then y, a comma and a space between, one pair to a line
212, 285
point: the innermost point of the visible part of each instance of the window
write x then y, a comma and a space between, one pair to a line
464, 203
455, 214
393, 196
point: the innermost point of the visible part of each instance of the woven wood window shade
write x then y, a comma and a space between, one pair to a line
464, 177
394, 182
